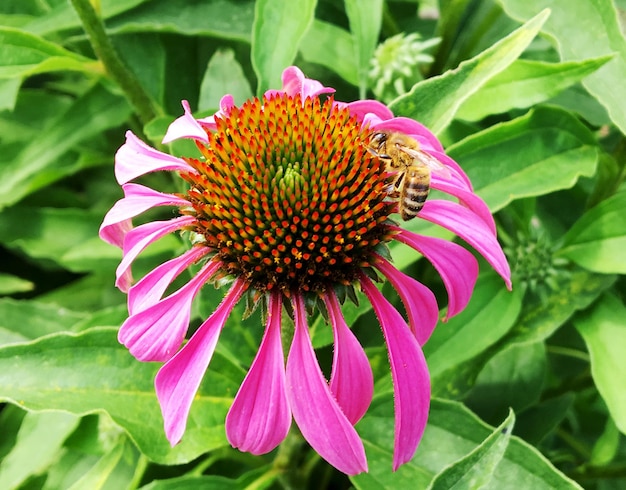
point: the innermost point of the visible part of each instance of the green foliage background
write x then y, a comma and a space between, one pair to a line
529, 385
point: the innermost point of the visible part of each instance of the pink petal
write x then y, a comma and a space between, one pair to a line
260, 417
369, 111
135, 158
294, 83
124, 280
457, 267
412, 128
411, 380
139, 238
351, 381
419, 301
468, 198
315, 410
186, 126
226, 104
149, 290
115, 232
137, 199
459, 177
155, 333
178, 380
471, 228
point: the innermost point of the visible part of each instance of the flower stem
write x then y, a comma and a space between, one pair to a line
287, 461
125, 78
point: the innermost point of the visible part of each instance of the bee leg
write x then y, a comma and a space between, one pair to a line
399, 181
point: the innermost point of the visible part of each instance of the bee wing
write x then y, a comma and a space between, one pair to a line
427, 160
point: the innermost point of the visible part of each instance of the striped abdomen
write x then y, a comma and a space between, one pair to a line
414, 191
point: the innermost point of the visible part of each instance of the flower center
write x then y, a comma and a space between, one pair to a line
288, 196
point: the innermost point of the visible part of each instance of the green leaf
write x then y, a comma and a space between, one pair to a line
23, 54
537, 321
38, 443
477, 468
9, 89
56, 233
22, 320
34, 110
600, 36
489, 315
62, 15
435, 101
542, 419
88, 116
10, 284
365, 18
97, 476
607, 446
451, 13
578, 101
258, 479
146, 55
524, 84
468, 28
225, 19
87, 294
598, 239
603, 328
543, 151
325, 43
111, 380
276, 34
452, 433
11, 418
89, 466
223, 75
542, 318
512, 379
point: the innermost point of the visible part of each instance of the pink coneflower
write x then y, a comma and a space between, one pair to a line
289, 205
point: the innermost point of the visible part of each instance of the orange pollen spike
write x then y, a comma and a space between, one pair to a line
287, 196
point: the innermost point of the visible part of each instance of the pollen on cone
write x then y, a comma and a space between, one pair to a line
308, 201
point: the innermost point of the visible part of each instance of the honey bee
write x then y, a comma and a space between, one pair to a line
410, 168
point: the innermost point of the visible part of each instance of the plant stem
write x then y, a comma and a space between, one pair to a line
287, 461
140, 469
125, 78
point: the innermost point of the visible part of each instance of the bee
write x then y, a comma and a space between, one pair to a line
410, 168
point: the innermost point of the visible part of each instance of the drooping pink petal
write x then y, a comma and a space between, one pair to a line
315, 410
471, 228
468, 198
115, 232
137, 199
457, 267
124, 281
149, 290
260, 417
186, 126
178, 380
135, 158
411, 380
156, 332
226, 104
351, 379
294, 83
419, 301
139, 238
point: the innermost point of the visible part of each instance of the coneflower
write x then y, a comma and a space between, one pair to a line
287, 203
